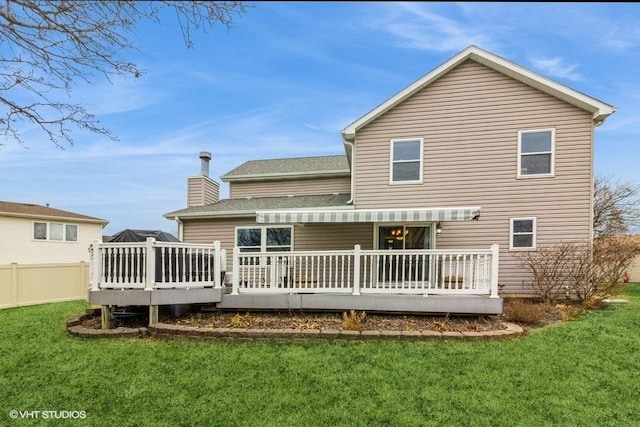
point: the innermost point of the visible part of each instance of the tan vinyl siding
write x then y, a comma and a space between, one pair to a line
323, 237
310, 237
202, 191
469, 120
295, 187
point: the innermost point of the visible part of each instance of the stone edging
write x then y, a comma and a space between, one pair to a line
172, 331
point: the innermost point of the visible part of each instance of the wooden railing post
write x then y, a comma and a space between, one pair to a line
495, 255
235, 286
356, 270
96, 265
150, 264
217, 263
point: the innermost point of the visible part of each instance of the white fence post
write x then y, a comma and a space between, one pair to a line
356, 270
235, 287
96, 265
495, 255
150, 264
217, 263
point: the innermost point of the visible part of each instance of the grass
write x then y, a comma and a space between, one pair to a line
582, 372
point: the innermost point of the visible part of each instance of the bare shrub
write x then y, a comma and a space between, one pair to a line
569, 312
353, 321
522, 311
554, 268
589, 273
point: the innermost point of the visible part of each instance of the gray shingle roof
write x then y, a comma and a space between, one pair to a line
248, 206
292, 167
37, 211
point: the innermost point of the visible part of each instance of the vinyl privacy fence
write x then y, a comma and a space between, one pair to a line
28, 284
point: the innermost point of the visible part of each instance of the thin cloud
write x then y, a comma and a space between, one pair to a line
416, 27
556, 67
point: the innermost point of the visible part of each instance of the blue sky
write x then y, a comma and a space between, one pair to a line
287, 77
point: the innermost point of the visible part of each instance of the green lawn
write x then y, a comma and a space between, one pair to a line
583, 372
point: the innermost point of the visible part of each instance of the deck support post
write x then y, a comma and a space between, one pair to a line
495, 255
105, 317
153, 314
356, 270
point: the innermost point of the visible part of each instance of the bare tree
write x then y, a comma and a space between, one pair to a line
616, 207
48, 46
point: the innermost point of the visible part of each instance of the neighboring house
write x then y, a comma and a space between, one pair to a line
479, 151
34, 234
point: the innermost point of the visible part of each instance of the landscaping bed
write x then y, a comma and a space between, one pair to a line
525, 313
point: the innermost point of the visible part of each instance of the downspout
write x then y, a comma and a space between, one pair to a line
350, 149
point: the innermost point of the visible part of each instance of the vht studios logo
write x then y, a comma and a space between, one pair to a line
58, 415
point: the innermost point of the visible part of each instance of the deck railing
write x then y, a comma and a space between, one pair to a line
360, 271
156, 265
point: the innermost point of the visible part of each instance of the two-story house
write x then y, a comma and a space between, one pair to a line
438, 188
479, 151
44, 253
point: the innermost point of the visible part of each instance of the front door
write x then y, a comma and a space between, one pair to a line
403, 267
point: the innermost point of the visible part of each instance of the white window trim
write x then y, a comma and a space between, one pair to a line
553, 154
263, 234
48, 232
391, 161
534, 228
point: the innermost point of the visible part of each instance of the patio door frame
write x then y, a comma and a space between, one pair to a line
431, 225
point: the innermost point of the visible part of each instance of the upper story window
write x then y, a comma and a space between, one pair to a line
536, 152
406, 161
522, 234
54, 231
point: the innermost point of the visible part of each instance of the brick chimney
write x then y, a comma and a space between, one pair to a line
202, 190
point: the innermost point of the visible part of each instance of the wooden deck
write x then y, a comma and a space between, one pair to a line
158, 273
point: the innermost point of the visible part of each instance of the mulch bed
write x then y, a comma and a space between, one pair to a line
547, 314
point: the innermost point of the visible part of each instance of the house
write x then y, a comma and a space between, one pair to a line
34, 234
44, 253
438, 187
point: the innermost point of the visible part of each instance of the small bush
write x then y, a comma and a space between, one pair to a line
353, 321
240, 321
522, 311
569, 312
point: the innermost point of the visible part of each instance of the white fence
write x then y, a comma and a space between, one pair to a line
156, 265
368, 271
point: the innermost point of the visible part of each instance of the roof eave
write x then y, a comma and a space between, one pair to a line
286, 175
56, 218
206, 215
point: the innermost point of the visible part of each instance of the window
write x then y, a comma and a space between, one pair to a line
71, 233
522, 233
406, 161
55, 231
40, 230
263, 239
536, 152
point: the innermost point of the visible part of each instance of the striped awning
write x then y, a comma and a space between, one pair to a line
367, 215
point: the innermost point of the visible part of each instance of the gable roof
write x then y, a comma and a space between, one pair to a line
300, 167
248, 206
599, 110
27, 210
